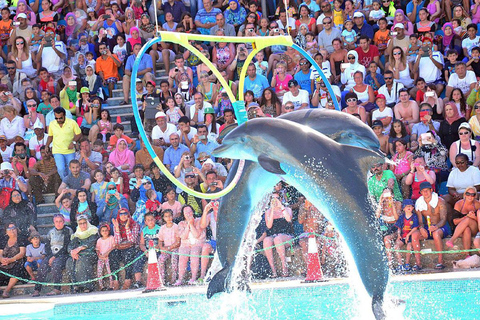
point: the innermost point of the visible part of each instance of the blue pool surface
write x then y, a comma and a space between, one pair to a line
442, 299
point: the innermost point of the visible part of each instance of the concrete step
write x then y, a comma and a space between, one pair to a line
49, 197
46, 208
20, 289
158, 78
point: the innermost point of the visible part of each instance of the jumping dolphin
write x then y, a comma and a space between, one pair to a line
331, 175
233, 221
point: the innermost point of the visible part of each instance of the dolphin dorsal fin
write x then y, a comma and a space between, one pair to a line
270, 165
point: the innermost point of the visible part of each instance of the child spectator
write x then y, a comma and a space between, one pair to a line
373, 78
407, 225
413, 49
376, 13
117, 178
44, 107
153, 205
260, 64
449, 64
105, 126
98, 190
98, 147
311, 45
421, 89
105, 245
382, 36
35, 254
64, 205
474, 62
36, 39
169, 241
171, 203
173, 113
338, 16
149, 233
349, 36
118, 130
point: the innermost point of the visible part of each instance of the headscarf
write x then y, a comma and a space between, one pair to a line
355, 64
112, 201
27, 11
91, 230
149, 27
447, 39
91, 79
20, 214
65, 79
72, 94
122, 226
118, 157
456, 115
69, 30
405, 18
80, 16
238, 6
134, 41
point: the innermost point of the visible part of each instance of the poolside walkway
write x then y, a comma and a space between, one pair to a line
26, 304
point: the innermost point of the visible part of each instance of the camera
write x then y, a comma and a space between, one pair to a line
6, 172
214, 183
22, 156
16, 23
176, 69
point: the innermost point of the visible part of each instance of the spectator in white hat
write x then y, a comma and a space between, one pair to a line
162, 131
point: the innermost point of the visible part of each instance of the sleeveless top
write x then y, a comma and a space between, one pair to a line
362, 96
469, 152
280, 226
416, 185
151, 234
404, 77
10, 252
30, 132
402, 165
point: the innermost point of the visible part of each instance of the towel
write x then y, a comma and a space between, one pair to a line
421, 204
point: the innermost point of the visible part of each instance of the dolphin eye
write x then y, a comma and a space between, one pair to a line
243, 139
350, 135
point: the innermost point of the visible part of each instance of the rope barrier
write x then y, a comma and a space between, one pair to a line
114, 273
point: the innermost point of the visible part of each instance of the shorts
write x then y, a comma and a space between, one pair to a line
477, 236
34, 264
446, 231
111, 80
405, 242
436, 82
160, 56
213, 243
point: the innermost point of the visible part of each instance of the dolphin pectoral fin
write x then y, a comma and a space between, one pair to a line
270, 165
218, 282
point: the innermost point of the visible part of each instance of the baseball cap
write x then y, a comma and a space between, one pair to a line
138, 80
465, 125
6, 166
160, 114
377, 123
292, 83
22, 15
358, 14
208, 110
34, 234
84, 90
38, 125
3, 137
380, 96
425, 185
399, 25
209, 161
152, 83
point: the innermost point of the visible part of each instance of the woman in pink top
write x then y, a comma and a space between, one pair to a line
169, 239
192, 239
171, 203
403, 160
281, 78
122, 157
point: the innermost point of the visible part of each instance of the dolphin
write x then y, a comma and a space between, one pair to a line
324, 171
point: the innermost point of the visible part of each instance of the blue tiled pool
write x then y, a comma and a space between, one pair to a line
438, 299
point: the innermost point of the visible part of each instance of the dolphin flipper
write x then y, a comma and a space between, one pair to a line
270, 165
377, 307
218, 282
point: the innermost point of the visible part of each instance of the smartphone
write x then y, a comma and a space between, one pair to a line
202, 137
425, 50
214, 183
429, 94
345, 65
387, 194
426, 138
48, 41
393, 33
16, 23
106, 16
188, 170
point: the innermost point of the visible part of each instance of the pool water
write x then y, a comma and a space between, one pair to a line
439, 299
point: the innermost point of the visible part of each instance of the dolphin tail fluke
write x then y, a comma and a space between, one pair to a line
377, 307
218, 282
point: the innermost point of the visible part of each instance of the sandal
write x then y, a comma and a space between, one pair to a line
5, 295
177, 283
192, 282
439, 266
416, 268
406, 267
36, 293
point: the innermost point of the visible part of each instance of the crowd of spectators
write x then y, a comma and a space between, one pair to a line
408, 69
